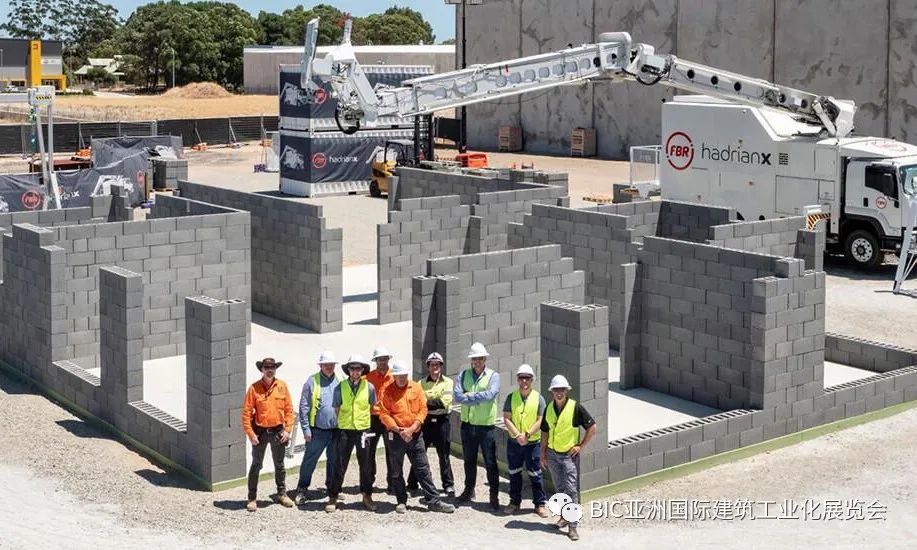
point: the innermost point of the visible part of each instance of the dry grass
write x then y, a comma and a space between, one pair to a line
160, 107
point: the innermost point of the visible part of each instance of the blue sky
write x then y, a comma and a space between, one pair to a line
440, 15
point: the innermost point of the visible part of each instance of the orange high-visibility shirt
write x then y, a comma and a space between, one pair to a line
401, 407
379, 382
267, 407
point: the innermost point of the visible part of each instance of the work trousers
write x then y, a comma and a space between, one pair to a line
322, 442
378, 428
416, 452
345, 442
525, 457
483, 438
437, 433
267, 436
563, 468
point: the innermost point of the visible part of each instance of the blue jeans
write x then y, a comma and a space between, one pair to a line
474, 438
526, 458
321, 442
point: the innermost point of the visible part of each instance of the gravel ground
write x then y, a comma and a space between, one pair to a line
65, 484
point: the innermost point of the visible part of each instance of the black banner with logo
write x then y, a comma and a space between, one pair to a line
109, 150
296, 103
332, 156
20, 192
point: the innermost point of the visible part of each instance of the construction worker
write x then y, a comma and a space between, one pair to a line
267, 418
319, 423
379, 377
402, 410
522, 415
476, 391
561, 444
437, 430
353, 399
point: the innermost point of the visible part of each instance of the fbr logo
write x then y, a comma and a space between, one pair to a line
679, 150
319, 160
320, 96
561, 504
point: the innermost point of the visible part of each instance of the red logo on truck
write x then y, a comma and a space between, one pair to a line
319, 160
679, 150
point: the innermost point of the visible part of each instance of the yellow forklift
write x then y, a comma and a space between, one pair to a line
398, 152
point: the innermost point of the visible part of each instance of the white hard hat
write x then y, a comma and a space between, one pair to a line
434, 357
478, 350
558, 382
525, 370
357, 358
399, 369
326, 357
380, 352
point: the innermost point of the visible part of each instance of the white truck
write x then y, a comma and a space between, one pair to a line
765, 149
765, 164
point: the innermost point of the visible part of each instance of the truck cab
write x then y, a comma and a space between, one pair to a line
767, 164
876, 191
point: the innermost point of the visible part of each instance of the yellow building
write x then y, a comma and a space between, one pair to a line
32, 63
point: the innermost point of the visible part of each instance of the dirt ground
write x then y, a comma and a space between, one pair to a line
126, 108
65, 484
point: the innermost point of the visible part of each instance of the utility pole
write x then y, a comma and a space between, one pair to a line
173, 65
463, 123
2, 67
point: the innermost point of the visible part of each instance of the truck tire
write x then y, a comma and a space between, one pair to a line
374, 190
862, 249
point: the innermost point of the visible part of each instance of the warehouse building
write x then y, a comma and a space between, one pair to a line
261, 64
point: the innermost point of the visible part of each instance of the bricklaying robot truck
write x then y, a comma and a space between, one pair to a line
765, 149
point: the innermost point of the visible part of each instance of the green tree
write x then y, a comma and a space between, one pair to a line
329, 28
392, 29
232, 29
272, 29
448, 42
100, 77
418, 20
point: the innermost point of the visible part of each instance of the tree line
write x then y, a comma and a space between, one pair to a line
203, 41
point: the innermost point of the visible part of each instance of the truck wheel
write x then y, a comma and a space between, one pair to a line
374, 189
862, 249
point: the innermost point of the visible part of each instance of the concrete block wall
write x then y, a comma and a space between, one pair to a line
787, 237
574, 343
867, 354
177, 257
210, 445
98, 211
601, 239
418, 183
33, 284
499, 303
216, 334
297, 260
729, 329
436, 318
420, 229
690, 441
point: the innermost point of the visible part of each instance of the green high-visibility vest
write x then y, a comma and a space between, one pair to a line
524, 413
562, 434
355, 409
316, 391
480, 414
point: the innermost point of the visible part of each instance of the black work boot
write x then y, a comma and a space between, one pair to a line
467, 495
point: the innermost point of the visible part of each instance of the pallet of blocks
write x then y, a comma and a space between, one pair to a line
582, 142
510, 139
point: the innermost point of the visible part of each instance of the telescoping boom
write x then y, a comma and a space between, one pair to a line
615, 57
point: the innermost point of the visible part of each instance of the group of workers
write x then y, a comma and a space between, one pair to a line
341, 414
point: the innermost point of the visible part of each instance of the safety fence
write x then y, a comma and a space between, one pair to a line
71, 136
